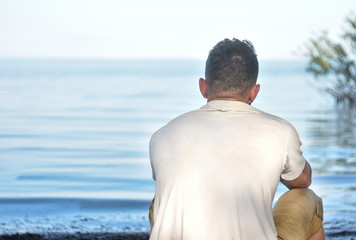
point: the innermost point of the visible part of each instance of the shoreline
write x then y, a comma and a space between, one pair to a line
77, 236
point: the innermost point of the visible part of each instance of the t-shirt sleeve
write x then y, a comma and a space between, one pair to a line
152, 154
151, 151
294, 162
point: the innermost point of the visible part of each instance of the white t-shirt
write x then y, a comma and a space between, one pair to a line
217, 170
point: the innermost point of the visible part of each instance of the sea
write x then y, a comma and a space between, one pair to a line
74, 139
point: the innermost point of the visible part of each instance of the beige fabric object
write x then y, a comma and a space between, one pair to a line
298, 214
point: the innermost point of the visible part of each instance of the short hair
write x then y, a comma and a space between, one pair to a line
231, 66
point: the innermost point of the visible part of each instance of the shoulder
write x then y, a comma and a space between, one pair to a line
175, 124
275, 126
275, 120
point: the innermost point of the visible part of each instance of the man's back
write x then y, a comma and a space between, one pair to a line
217, 170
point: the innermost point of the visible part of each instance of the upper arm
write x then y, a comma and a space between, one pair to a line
302, 181
297, 171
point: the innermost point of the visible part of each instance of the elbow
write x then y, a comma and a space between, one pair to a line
306, 176
307, 183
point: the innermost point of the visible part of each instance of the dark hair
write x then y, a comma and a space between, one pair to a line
232, 65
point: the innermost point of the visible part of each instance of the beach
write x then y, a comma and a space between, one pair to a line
79, 236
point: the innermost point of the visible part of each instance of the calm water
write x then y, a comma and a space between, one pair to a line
74, 140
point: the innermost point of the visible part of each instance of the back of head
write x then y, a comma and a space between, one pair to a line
231, 68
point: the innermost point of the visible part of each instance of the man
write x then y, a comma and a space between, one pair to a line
217, 168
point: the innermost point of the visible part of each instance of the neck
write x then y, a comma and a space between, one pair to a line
229, 99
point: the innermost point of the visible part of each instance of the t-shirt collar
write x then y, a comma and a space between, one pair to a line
222, 105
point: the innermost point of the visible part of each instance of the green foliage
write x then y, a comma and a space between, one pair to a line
334, 62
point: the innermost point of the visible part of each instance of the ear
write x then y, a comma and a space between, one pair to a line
202, 87
254, 92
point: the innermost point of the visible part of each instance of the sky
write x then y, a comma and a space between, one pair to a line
160, 29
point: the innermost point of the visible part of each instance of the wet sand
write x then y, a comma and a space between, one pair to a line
78, 236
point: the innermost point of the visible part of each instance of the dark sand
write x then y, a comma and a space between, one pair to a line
78, 236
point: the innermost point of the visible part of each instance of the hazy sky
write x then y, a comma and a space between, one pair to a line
162, 28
